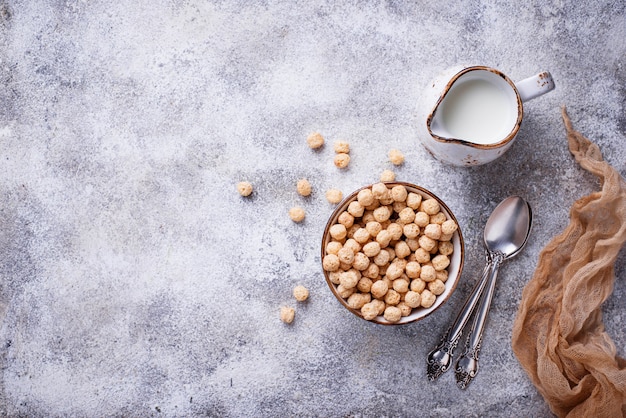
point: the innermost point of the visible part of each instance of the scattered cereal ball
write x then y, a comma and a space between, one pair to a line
338, 231
428, 273
296, 214
369, 311
396, 157
446, 248
334, 196
346, 255
330, 262
333, 247
433, 231
430, 206
365, 197
356, 209
392, 314
357, 300
387, 175
436, 287
371, 249
304, 187
379, 289
413, 269
401, 285
418, 285
315, 140
301, 293
379, 190
428, 299
346, 219
448, 227
412, 299
342, 147
287, 314
392, 297
398, 193
244, 188
405, 310
414, 200
342, 160
440, 262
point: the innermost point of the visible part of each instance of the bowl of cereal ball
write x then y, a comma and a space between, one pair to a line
392, 253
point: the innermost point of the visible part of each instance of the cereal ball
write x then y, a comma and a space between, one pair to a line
333, 276
394, 271
357, 300
428, 273
442, 275
296, 214
448, 227
446, 248
427, 298
387, 175
342, 160
371, 249
401, 285
412, 299
350, 232
440, 262
362, 235
446, 237
427, 243
413, 246
369, 311
438, 218
402, 249
352, 245
392, 314
303, 187
407, 216
334, 196
405, 309
382, 258
382, 213
356, 209
379, 190
301, 293
421, 219
346, 219
395, 230
380, 305
372, 271
361, 261
371, 208
398, 206
411, 230
315, 140
364, 285
379, 289
244, 188
345, 292
398, 193
413, 269
436, 287
365, 197
373, 228
338, 231
346, 256
422, 256
418, 285
433, 231
383, 238
392, 297
430, 206
349, 279
396, 157
333, 247
414, 200
386, 200
330, 262
341, 147
287, 314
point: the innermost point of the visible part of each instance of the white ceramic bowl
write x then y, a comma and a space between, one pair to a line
454, 269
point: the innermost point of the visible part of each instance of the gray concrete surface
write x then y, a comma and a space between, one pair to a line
135, 281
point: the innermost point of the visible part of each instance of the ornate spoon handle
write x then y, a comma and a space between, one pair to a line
467, 364
440, 358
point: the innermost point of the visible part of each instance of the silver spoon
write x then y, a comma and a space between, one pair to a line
498, 228
506, 233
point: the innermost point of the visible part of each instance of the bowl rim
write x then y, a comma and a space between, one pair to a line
458, 235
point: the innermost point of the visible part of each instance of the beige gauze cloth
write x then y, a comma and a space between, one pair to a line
558, 334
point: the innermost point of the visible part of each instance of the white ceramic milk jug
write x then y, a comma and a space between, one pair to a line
470, 116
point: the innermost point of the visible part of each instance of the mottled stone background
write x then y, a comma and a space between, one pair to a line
135, 281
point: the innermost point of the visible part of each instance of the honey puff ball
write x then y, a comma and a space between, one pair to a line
296, 214
341, 160
301, 293
244, 188
396, 157
342, 147
303, 187
334, 196
315, 140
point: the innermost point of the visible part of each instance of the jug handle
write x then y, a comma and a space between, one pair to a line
535, 86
